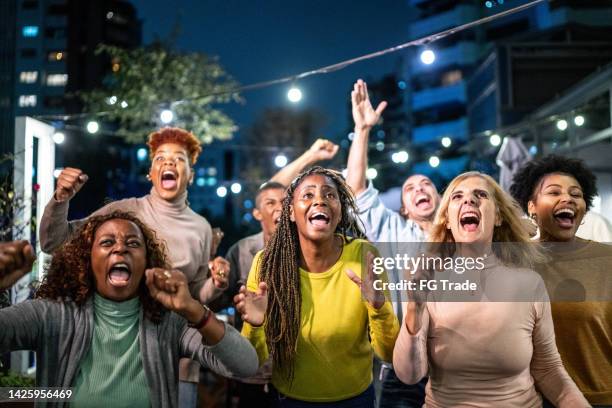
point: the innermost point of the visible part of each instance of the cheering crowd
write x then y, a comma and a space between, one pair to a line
125, 312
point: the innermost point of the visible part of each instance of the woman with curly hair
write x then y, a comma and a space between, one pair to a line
492, 347
111, 321
188, 236
304, 307
557, 192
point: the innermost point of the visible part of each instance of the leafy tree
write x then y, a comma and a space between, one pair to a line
147, 78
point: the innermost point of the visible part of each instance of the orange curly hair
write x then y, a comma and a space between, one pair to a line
178, 136
69, 276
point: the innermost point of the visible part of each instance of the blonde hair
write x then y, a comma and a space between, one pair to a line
522, 252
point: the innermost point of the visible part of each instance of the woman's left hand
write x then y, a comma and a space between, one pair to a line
375, 298
169, 287
219, 271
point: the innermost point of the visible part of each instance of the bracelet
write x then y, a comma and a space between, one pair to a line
203, 321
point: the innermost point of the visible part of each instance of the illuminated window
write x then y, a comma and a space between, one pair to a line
57, 55
57, 79
28, 77
451, 77
29, 31
26, 101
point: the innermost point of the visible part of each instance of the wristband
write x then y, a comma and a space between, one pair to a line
203, 321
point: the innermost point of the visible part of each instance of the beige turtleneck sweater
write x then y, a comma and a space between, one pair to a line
486, 353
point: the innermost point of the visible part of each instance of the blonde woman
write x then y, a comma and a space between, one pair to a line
494, 353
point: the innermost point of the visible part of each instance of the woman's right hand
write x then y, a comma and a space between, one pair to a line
252, 305
69, 182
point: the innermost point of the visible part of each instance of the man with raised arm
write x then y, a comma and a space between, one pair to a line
420, 200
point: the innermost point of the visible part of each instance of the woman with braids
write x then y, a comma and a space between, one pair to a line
557, 192
310, 303
493, 346
112, 322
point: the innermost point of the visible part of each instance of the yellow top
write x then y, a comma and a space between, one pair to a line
334, 354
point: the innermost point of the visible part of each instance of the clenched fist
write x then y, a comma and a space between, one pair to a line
69, 182
16, 259
323, 149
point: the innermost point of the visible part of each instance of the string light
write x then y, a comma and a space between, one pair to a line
166, 116
236, 188
280, 161
59, 137
495, 140
562, 124
579, 120
93, 127
334, 67
434, 161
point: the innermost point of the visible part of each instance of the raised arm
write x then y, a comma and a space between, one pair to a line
320, 150
365, 117
54, 225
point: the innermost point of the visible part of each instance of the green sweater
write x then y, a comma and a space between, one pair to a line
113, 358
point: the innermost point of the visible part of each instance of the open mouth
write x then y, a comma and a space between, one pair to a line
565, 217
319, 220
423, 202
119, 274
168, 180
469, 221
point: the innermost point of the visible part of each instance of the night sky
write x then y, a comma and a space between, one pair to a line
263, 40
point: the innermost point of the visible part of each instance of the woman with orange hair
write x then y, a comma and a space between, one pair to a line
173, 152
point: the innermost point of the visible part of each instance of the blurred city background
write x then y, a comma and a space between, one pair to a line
104, 73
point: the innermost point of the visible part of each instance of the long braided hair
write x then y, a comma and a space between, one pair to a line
279, 268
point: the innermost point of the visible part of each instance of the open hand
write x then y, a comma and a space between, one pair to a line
252, 305
364, 115
375, 298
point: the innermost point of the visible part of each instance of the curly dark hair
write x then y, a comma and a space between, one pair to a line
69, 276
279, 268
526, 180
